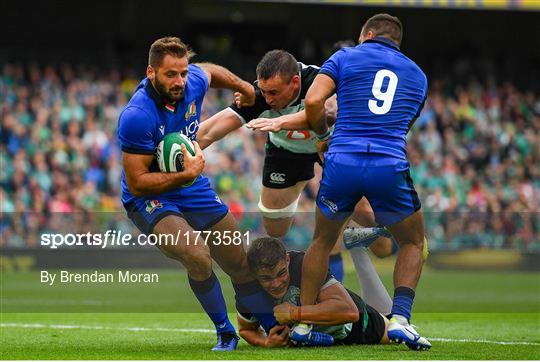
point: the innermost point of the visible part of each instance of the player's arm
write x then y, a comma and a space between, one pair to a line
142, 182
334, 306
254, 334
294, 121
221, 77
321, 89
217, 127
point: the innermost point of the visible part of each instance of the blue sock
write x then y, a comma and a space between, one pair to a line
403, 301
336, 266
252, 297
209, 294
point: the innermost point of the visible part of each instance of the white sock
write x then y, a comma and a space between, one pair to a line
372, 289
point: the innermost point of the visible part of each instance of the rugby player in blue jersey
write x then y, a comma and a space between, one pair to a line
380, 94
169, 100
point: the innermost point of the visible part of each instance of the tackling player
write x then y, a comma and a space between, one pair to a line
291, 149
339, 312
380, 94
169, 100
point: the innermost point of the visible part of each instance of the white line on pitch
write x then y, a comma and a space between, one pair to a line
202, 330
131, 329
480, 341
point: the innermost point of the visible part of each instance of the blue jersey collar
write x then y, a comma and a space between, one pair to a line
160, 102
384, 40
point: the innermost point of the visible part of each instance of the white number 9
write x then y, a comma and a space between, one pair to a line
386, 97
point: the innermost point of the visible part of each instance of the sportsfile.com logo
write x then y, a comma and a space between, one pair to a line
277, 178
331, 205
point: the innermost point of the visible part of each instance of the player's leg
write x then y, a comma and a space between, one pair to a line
231, 257
277, 207
369, 234
409, 234
371, 327
335, 203
372, 290
285, 175
315, 266
336, 261
336, 255
207, 212
396, 205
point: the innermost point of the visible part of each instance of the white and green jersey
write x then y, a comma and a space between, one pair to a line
299, 141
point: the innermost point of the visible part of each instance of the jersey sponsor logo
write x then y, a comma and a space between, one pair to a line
298, 135
191, 110
277, 178
152, 205
331, 205
191, 129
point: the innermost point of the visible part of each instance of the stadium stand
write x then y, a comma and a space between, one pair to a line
474, 155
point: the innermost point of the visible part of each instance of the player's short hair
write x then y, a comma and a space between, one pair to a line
384, 25
265, 253
277, 62
167, 46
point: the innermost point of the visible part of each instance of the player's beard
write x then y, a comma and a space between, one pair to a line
167, 94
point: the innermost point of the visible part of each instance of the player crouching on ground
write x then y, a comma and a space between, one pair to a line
339, 317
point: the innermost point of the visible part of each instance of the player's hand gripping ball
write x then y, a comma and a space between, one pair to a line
169, 153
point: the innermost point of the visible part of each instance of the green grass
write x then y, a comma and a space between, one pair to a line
453, 306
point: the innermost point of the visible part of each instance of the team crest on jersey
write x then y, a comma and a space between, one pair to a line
191, 111
152, 205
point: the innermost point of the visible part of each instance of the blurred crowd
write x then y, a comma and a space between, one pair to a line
474, 155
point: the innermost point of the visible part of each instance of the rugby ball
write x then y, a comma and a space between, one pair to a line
169, 153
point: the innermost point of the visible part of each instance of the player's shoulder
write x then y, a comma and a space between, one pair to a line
413, 68
195, 70
140, 105
197, 77
308, 72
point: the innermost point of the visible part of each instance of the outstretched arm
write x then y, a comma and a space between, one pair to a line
294, 121
217, 127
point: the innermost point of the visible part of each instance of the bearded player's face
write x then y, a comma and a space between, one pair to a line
169, 79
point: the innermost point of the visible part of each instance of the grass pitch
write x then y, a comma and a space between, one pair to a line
466, 316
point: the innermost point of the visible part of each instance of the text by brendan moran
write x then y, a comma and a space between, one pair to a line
122, 276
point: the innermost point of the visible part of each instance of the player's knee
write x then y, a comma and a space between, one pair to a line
201, 268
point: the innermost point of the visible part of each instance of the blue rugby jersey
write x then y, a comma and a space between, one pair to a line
147, 118
380, 92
